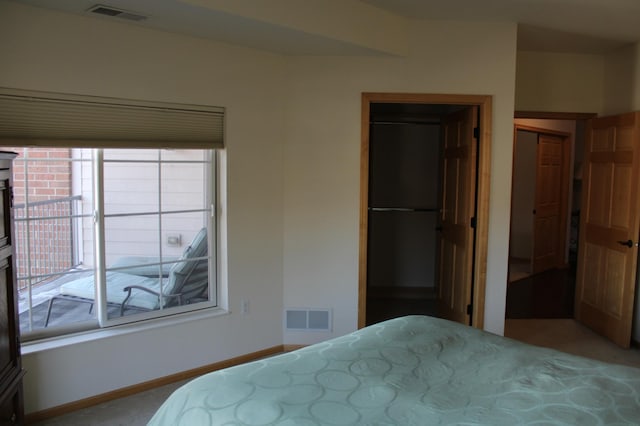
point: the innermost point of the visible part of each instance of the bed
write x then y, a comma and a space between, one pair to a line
413, 370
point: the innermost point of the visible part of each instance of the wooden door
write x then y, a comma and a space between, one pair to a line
609, 225
458, 210
548, 201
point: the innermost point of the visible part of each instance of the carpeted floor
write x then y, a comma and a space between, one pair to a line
568, 335
134, 410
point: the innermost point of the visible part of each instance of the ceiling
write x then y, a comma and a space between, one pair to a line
580, 26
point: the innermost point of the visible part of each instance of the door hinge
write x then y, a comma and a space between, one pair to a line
476, 132
469, 309
473, 222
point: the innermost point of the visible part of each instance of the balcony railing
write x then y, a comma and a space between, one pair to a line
46, 239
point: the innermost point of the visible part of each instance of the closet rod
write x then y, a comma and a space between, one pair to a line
401, 209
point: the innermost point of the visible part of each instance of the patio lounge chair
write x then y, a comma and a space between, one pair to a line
187, 282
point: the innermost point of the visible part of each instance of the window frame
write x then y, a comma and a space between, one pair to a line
211, 211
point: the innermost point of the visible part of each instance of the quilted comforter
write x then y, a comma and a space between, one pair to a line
411, 371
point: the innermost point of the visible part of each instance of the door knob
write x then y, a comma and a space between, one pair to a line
627, 243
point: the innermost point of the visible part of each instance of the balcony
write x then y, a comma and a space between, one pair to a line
50, 231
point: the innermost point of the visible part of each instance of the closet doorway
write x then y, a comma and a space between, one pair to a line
424, 204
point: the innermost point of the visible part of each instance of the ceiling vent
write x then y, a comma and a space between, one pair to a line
101, 9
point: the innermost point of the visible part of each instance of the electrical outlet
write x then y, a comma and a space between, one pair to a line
244, 306
174, 240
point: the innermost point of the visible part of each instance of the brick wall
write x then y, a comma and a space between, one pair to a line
47, 179
48, 171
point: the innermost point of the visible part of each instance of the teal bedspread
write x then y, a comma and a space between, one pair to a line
411, 371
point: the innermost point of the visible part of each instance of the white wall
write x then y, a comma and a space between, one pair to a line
322, 157
559, 82
48, 51
622, 80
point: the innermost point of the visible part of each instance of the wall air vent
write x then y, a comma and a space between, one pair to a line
307, 319
101, 9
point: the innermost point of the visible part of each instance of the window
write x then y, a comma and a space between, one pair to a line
107, 236
114, 208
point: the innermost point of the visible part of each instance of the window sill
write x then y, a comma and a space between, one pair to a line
137, 327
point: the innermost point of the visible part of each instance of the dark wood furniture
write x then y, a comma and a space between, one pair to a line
11, 372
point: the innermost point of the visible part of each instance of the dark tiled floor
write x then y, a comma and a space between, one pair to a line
546, 295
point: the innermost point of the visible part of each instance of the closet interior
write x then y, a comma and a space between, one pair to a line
404, 205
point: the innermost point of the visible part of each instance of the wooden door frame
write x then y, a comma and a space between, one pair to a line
542, 115
566, 176
484, 104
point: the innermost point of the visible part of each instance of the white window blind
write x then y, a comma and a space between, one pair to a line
48, 119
